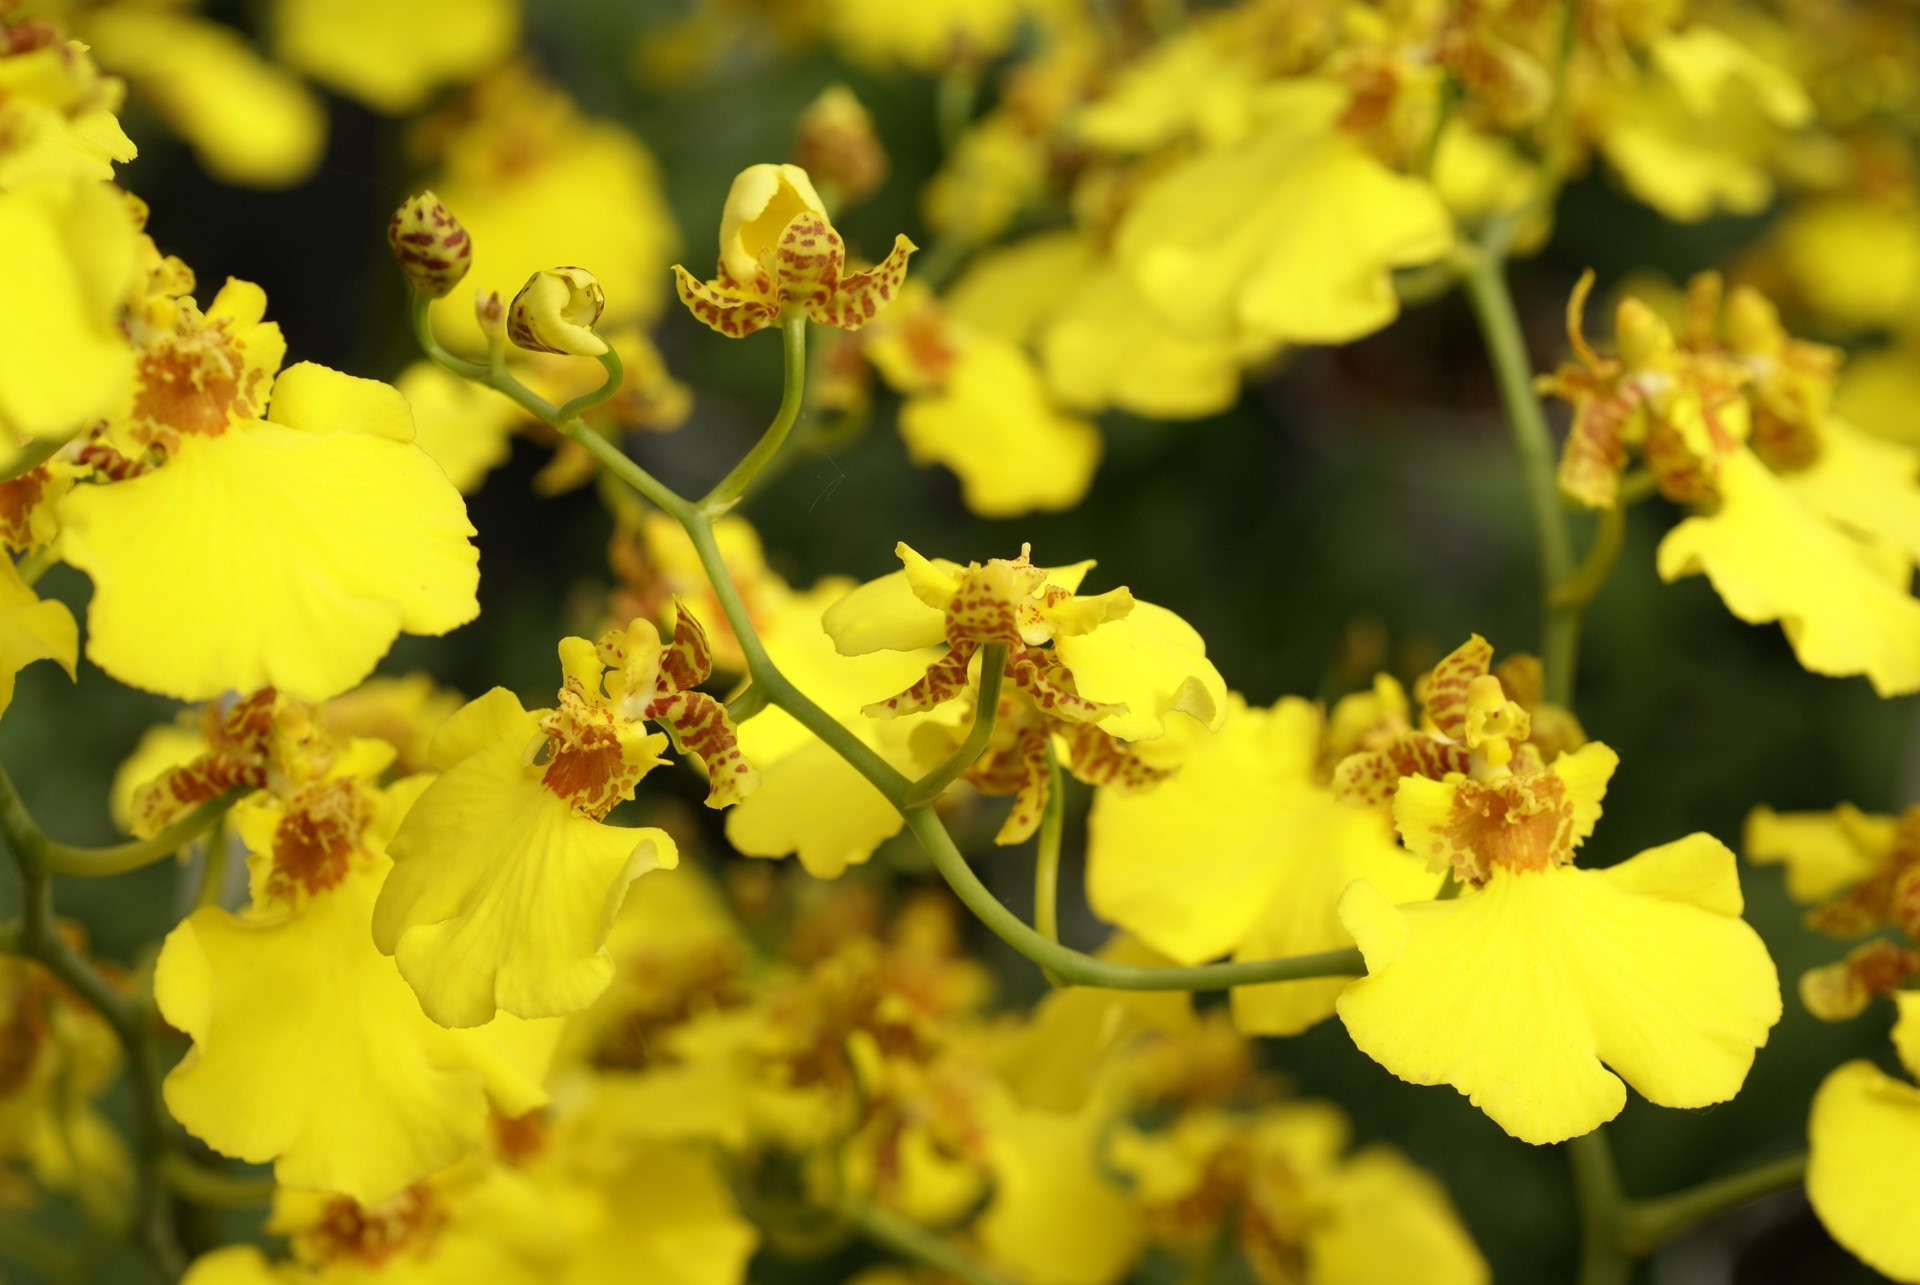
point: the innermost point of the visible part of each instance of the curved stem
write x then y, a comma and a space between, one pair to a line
1646, 1225
132, 1025
793, 343
215, 1188
913, 1242
32, 456
38, 853
986, 710
421, 309
1597, 1184
1089, 970
1579, 589
586, 401
1486, 285
1046, 860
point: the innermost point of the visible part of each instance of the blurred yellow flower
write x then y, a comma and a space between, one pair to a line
248, 121
57, 112
392, 55
1862, 1137
1245, 852
31, 629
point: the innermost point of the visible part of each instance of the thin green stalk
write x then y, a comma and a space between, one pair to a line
215, 1188
1070, 965
915, 1243
421, 311
1088, 970
765, 674
1597, 1185
793, 343
1046, 859
1485, 279
33, 455
213, 869
1579, 589
986, 710
616, 375
132, 1024
1646, 1225
38, 853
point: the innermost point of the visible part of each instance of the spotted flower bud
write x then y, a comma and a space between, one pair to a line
429, 244
555, 312
835, 143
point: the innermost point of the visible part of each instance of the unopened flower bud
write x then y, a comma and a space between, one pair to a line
491, 314
429, 244
555, 312
835, 143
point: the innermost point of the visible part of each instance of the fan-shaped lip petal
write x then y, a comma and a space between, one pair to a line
501, 896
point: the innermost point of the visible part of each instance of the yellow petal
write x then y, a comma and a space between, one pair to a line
1861, 1180
31, 629
1822, 851
232, 1265
391, 56
1151, 661
1056, 1217
1291, 235
1770, 558
666, 1217
1867, 485
310, 1051
814, 805
1645, 966
886, 615
994, 426
271, 556
247, 120
501, 897
465, 427
66, 256
1390, 1221
1240, 851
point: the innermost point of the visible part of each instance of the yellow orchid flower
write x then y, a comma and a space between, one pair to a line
1862, 1135
1299, 1209
391, 57
977, 405
1289, 235
316, 529
1645, 966
395, 1097
1245, 852
778, 251
248, 121
520, 805
1812, 524
67, 253
57, 112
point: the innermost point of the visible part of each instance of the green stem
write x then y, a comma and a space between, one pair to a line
33, 455
215, 1188
1046, 859
132, 1023
1597, 1185
213, 870
1059, 961
42, 855
986, 710
1486, 285
793, 343
1646, 1225
422, 314
586, 401
1088, 970
915, 1243
1579, 589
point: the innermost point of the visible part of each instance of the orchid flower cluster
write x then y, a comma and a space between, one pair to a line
470, 989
